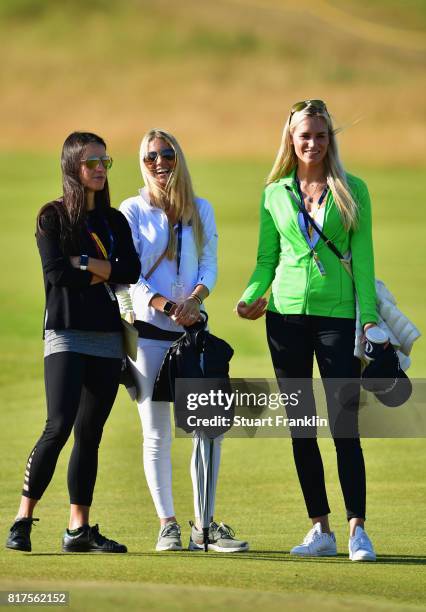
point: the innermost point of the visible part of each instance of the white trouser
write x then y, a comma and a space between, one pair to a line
157, 434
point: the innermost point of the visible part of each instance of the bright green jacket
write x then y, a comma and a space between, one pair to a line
286, 260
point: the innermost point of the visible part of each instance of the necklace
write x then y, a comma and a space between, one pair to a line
311, 196
313, 214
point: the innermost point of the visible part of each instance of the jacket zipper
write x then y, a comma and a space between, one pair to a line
308, 281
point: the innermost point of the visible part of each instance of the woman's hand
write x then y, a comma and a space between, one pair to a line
98, 267
96, 280
364, 329
251, 311
187, 313
75, 262
368, 326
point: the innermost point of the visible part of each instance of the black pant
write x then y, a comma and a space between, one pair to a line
80, 391
293, 340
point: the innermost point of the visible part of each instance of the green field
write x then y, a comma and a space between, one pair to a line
258, 493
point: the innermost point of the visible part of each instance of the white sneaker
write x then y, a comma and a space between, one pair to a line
316, 544
360, 546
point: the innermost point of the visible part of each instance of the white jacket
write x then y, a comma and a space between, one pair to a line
150, 232
401, 331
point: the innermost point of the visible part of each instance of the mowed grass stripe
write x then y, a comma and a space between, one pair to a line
146, 596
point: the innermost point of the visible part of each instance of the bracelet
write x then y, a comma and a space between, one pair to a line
196, 298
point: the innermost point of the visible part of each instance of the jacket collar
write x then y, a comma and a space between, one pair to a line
289, 183
289, 179
144, 200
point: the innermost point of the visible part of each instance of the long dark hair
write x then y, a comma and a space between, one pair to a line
71, 208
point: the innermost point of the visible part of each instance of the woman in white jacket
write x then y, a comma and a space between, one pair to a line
175, 236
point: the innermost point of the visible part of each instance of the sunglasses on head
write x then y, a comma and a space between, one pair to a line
93, 162
151, 156
315, 104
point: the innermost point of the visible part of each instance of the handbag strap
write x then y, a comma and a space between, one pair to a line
155, 266
345, 263
162, 256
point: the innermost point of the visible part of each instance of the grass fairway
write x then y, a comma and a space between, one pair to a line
258, 493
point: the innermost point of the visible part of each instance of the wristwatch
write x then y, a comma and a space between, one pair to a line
168, 307
84, 262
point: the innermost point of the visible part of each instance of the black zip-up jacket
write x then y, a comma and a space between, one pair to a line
71, 301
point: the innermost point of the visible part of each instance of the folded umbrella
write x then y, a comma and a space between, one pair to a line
204, 461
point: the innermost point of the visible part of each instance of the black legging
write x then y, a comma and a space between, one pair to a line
80, 391
293, 340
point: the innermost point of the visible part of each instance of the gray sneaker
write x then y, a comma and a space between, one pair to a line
221, 539
169, 537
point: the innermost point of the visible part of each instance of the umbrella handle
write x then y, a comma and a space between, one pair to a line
206, 538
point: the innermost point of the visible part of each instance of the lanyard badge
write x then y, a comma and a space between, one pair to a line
178, 290
308, 226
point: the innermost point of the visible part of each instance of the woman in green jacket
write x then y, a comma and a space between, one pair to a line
312, 307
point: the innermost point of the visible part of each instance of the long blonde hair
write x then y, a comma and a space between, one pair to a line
286, 161
177, 197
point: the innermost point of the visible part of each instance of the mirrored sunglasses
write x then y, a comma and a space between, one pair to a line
315, 104
93, 162
151, 157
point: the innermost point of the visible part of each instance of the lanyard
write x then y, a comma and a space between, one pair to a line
98, 242
179, 246
302, 201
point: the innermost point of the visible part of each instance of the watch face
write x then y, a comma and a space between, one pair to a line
168, 307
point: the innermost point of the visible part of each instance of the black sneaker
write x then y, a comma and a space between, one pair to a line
88, 539
19, 536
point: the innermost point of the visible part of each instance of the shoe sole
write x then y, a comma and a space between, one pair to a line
10, 547
324, 553
94, 550
170, 548
367, 558
196, 547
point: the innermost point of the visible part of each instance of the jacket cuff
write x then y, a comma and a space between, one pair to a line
143, 292
369, 317
250, 294
208, 280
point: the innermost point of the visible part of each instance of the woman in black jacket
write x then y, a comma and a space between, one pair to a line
86, 248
